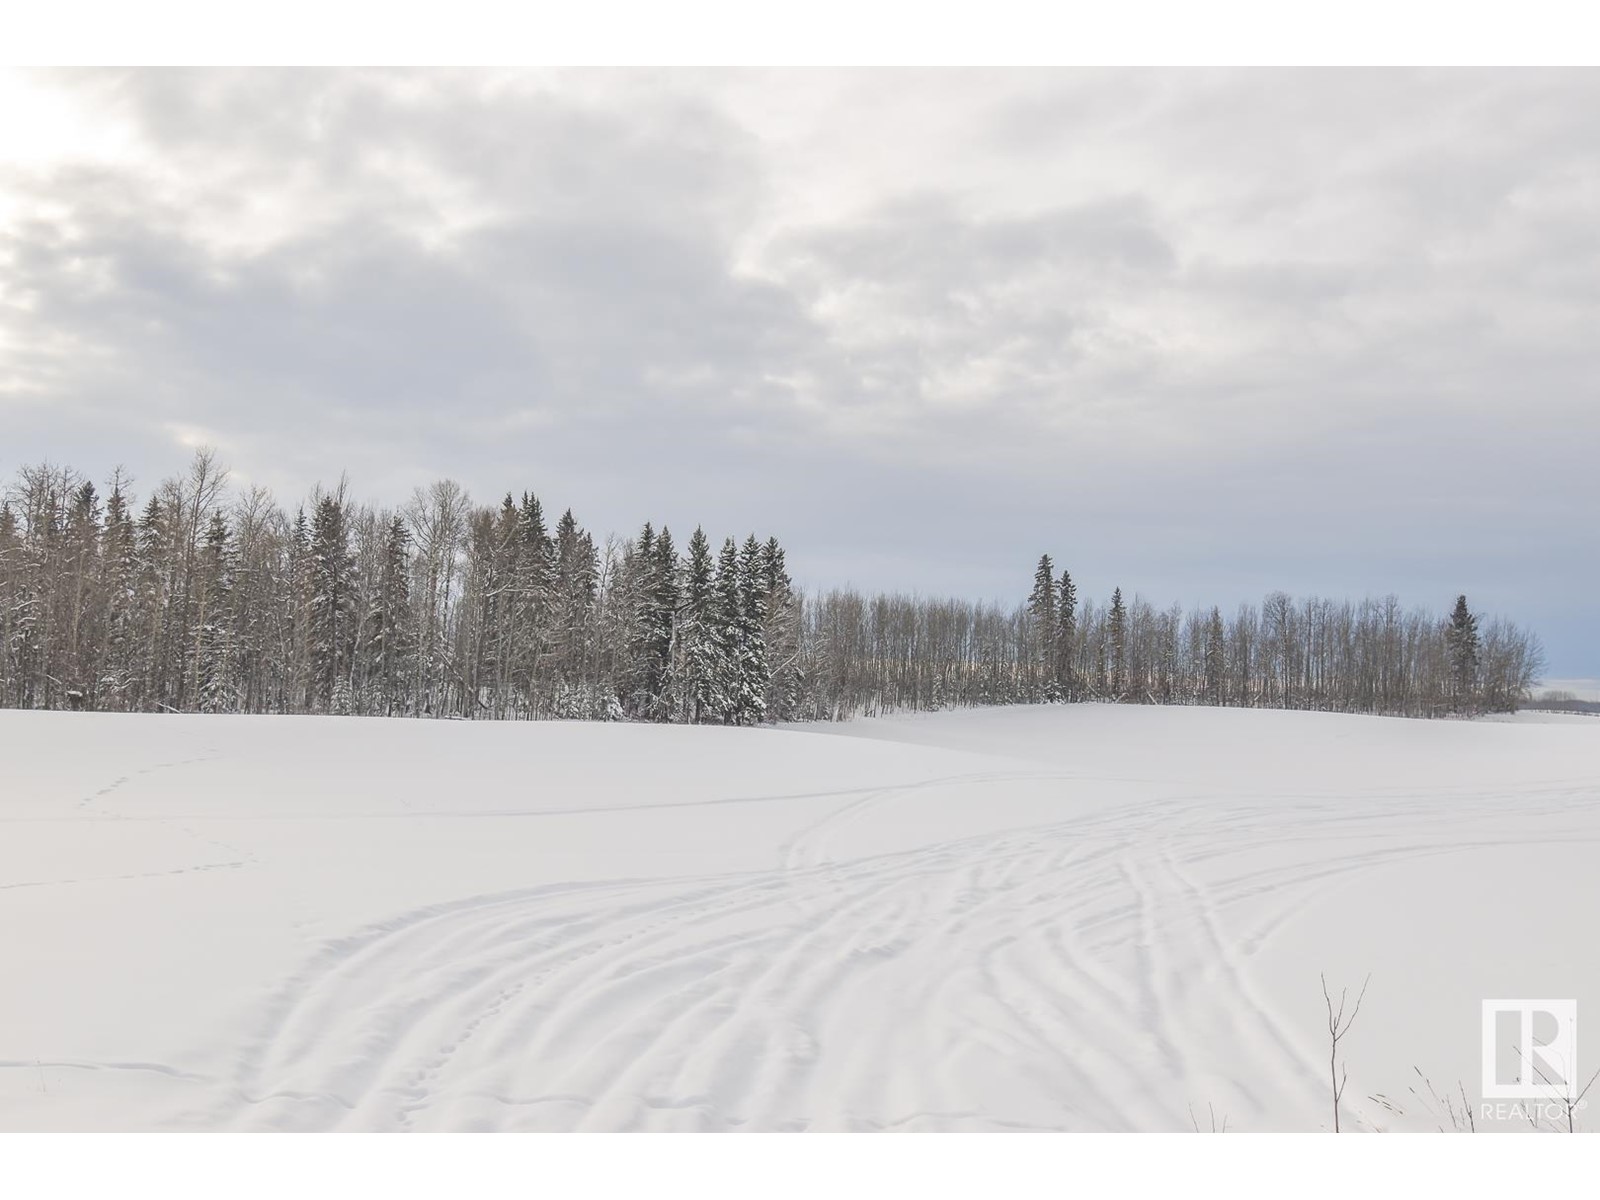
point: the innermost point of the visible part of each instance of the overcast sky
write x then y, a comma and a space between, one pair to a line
1198, 334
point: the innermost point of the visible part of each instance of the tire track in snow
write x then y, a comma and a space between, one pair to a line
292, 1033
1051, 953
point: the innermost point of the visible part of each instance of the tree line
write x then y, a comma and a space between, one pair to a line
199, 600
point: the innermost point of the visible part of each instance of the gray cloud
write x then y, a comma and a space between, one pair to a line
1198, 333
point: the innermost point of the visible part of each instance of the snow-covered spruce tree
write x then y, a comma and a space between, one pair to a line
1041, 681
597, 694
570, 600
532, 585
19, 620
665, 599
577, 587
154, 547
298, 690
332, 606
119, 567
11, 551
389, 636
218, 567
1117, 645
639, 674
755, 669
42, 495
368, 532
699, 673
1066, 637
79, 599
727, 619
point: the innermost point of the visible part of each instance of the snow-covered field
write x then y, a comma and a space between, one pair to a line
1077, 918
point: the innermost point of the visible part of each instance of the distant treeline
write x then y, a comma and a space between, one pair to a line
1564, 704
198, 600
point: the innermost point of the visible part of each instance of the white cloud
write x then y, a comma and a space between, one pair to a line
1151, 320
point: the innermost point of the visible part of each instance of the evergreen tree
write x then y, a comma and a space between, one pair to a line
119, 586
1461, 640
577, 578
699, 672
391, 638
755, 668
567, 618
1066, 638
1042, 600
216, 691
332, 606
1042, 611
12, 550
154, 543
665, 599
727, 622
79, 596
642, 674
533, 583
299, 678
503, 612
1117, 631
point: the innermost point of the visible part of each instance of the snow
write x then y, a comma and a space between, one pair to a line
1080, 917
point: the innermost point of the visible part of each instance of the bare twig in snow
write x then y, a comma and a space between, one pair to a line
1338, 1026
